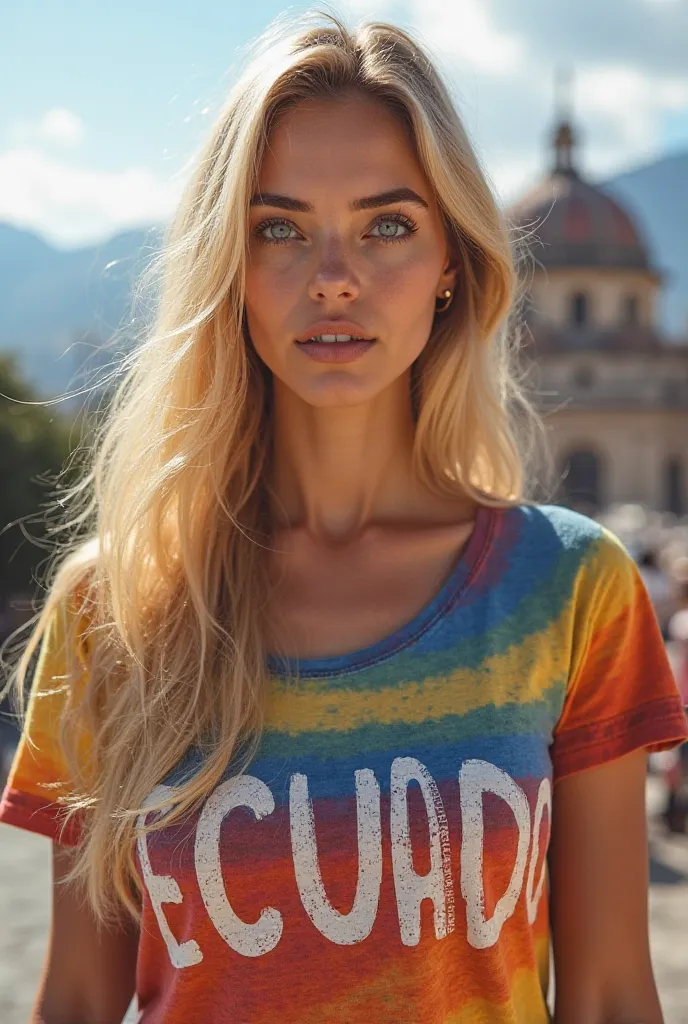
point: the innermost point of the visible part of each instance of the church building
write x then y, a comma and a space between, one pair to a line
613, 389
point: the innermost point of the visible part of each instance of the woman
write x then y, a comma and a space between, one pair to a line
302, 698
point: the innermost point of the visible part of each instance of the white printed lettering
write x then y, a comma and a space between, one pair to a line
477, 877
476, 778
164, 889
533, 900
247, 939
344, 929
412, 888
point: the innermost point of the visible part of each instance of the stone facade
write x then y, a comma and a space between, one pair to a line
613, 390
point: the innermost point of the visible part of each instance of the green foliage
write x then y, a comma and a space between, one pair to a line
35, 441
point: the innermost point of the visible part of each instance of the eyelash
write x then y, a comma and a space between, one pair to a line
398, 218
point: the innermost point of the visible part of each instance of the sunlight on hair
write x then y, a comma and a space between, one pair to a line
163, 587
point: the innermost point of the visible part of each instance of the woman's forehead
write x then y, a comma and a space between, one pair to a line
353, 145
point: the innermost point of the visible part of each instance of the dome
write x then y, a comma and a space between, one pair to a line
571, 223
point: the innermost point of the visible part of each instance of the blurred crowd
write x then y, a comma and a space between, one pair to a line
659, 544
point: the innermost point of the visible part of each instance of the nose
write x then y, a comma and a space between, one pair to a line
334, 276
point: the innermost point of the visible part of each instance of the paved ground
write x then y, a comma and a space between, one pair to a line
25, 896
669, 912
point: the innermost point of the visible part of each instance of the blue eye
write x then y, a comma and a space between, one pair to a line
393, 229
277, 231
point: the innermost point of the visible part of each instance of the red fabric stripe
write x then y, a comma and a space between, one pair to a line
40, 816
657, 725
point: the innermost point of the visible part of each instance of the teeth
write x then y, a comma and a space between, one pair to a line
330, 339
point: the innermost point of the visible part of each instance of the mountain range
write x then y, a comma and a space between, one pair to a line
57, 306
656, 195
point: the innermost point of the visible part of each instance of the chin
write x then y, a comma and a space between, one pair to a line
337, 390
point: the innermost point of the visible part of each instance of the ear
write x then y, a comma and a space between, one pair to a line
449, 274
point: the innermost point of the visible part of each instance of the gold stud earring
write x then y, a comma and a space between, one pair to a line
444, 301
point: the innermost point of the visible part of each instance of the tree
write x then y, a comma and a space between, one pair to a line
35, 442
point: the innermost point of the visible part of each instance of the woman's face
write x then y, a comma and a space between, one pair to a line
345, 240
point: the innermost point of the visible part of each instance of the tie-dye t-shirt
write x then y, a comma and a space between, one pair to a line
383, 859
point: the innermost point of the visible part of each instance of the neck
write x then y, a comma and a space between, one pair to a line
337, 470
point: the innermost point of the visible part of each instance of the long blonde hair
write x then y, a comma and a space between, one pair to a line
167, 571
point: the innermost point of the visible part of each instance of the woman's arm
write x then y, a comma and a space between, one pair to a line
599, 878
89, 973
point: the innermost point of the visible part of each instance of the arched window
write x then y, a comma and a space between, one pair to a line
582, 480
674, 492
579, 311
629, 311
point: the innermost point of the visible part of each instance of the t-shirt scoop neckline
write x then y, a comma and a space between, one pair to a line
469, 560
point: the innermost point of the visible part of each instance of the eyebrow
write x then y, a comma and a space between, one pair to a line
395, 195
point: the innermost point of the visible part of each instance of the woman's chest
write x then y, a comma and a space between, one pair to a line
343, 598
361, 814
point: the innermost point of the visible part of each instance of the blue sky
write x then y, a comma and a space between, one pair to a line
105, 104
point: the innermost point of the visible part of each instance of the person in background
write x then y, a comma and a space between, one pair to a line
658, 587
331, 720
676, 809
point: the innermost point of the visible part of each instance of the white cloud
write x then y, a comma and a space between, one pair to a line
57, 125
72, 205
460, 30
630, 99
465, 31
509, 175
618, 113
62, 125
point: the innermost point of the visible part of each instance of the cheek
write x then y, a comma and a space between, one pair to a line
405, 296
407, 280
407, 293
272, 292
276, 272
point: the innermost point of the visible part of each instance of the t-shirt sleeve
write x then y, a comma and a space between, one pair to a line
622, 694
39, 781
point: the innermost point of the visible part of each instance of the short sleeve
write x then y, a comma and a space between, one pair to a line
38, 781
621, 694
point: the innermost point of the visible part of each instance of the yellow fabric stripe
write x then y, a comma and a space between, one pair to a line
610, 572
39, 758
524, 1006
499, 681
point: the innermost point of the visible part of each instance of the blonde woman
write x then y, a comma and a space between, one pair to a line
322, 697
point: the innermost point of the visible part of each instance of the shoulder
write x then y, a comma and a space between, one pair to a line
571, 530
563, 553
554, 529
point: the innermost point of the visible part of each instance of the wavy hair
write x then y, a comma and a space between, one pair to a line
166, 574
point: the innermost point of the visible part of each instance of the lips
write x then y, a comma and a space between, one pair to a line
337, 351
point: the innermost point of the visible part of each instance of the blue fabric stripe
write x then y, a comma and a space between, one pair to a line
521, 756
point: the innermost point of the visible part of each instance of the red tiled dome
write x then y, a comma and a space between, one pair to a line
570, 223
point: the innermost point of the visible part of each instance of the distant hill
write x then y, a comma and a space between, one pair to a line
55, 305
657, 194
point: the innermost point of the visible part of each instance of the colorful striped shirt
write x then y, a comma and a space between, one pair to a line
384, 857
